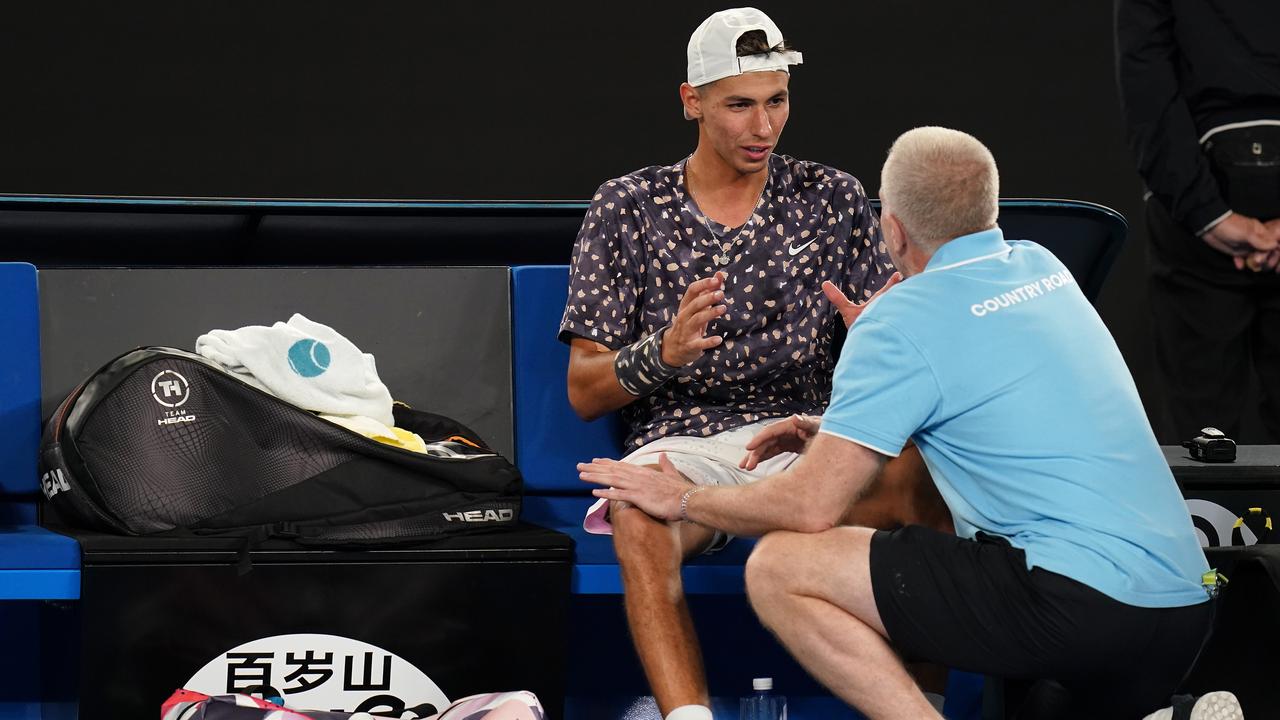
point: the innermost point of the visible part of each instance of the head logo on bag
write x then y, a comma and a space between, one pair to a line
481, 516
170, 389
54, 482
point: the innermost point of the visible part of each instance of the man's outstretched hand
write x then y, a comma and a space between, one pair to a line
850, 310
790, 435
656, 492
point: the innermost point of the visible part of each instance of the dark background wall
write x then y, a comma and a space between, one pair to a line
508, 100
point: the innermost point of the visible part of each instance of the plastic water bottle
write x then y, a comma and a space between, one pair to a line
763, 704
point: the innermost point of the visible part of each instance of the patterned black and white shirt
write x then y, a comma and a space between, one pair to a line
644, 240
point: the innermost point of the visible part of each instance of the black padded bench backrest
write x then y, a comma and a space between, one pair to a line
137, 232
1087, 238
103, 237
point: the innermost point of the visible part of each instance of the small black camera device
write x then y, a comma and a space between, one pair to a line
1211, 446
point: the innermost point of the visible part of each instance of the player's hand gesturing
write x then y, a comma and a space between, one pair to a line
686, 339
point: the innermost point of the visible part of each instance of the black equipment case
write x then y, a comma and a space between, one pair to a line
472, 612
161, 440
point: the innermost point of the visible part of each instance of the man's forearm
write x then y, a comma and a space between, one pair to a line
811, 496
751, 510
594, 389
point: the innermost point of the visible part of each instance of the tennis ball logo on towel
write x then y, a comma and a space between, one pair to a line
309, 358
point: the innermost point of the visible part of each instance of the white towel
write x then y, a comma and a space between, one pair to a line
304, 363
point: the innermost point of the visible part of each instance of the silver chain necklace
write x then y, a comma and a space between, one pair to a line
722, 258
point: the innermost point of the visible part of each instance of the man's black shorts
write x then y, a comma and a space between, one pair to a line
973, 605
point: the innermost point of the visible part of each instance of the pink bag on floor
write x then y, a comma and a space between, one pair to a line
518, 705
188, 705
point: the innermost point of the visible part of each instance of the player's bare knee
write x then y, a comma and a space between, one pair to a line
628, 521
638, 538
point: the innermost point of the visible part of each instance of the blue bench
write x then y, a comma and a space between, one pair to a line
35, 564
551, 439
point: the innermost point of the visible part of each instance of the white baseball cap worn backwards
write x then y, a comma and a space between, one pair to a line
713, 52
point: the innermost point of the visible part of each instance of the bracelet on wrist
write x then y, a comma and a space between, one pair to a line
684, 501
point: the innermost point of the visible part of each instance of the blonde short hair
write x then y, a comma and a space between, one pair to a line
941, 184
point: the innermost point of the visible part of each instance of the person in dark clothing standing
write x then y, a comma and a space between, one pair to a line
1200, 87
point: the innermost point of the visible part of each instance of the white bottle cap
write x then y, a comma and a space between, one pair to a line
762, 684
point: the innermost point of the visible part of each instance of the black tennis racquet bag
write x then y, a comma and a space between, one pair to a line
163, 441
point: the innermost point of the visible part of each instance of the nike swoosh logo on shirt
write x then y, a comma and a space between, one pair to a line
797, 249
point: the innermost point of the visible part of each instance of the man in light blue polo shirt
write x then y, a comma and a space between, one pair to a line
1075, 557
